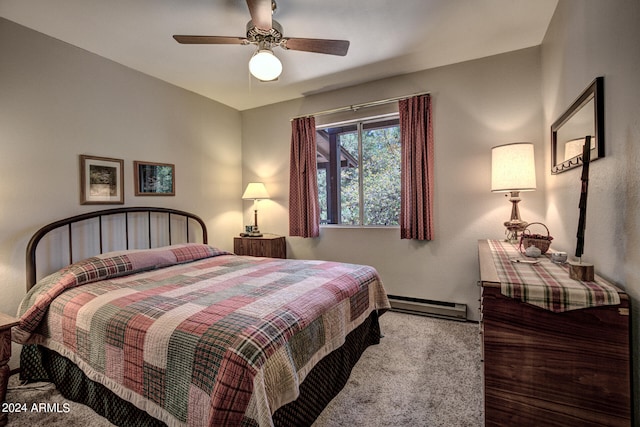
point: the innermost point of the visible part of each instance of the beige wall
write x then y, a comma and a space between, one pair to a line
477, 105
587, 39
58, 101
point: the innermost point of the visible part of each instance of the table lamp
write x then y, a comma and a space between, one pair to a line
255, 191
512, 171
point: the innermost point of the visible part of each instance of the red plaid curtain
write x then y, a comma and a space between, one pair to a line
416, 194
304, 212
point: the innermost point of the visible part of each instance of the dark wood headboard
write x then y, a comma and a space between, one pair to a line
99, 215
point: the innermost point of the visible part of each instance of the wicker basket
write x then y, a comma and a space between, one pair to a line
538, 240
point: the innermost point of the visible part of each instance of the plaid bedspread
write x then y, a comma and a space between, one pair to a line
545, 284
198, 336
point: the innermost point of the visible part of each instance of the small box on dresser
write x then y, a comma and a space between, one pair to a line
554, 369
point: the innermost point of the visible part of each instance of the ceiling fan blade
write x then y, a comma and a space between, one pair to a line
209, 40
261, 14
330, 47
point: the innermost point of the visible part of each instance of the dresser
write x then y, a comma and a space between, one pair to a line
268, 245
549, 368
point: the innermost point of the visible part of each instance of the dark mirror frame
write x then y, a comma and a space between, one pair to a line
594, 92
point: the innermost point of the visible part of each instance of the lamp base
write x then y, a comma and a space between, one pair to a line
255, 232
252, 234
514, 226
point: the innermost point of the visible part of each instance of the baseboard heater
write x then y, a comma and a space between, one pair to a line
424, 307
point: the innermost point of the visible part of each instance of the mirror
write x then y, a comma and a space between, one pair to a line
584, 117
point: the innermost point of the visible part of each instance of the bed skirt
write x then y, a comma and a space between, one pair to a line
321, 385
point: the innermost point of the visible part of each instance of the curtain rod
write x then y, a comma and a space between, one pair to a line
356, 107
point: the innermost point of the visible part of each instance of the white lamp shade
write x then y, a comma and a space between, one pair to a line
265, 66
255, 191
513, 167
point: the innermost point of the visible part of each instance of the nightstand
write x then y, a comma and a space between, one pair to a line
268, 245
6, 323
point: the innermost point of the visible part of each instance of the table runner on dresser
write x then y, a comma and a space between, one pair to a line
545, 284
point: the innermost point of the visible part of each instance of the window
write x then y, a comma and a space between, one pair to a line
359, 172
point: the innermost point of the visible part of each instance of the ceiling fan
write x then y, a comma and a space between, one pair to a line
266, 33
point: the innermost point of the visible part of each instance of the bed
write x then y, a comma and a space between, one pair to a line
181, 333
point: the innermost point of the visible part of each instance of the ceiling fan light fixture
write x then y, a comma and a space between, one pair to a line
264, 65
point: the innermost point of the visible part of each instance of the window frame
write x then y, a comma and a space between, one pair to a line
334, 209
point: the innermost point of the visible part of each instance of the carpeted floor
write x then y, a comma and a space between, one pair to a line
425, 372
40, 404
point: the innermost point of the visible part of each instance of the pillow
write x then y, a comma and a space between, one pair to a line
102, 267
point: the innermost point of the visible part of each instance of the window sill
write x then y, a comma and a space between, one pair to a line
364, 227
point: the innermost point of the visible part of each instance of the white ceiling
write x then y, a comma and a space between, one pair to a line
387, 38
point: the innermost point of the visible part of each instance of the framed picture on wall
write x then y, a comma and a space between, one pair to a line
154, 179
101, 180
